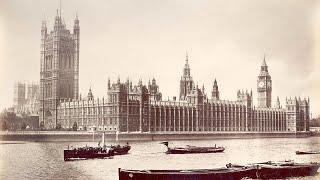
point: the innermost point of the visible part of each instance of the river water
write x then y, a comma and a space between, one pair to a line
44, 160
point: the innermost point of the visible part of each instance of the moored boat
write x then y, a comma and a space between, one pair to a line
281, 170
121, 150
268, 170
95, 152
87, 153
307, 152
192, 149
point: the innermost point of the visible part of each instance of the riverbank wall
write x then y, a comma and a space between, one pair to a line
139, 136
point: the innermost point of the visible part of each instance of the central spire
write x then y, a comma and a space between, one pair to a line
264, 66
264, 61
186, 69
187, 57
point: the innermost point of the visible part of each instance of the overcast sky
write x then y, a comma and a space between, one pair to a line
143, 39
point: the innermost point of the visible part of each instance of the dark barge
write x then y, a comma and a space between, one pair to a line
268, 170
192, 149
87, 153
307, 152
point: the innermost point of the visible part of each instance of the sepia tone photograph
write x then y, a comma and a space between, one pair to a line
159, 89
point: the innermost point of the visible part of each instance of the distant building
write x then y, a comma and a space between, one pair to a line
26, 98
59, 64
19, 96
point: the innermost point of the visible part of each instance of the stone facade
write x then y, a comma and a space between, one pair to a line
59, 68
139, 108
297, 114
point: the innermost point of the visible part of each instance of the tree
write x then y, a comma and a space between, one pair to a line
75, 126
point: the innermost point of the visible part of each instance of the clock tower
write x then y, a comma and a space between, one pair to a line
264, 86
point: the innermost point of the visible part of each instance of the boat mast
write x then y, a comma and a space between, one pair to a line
103, 141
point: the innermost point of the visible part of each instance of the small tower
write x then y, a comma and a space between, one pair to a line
153, 89
215, 91
278, 105
109, 84
90, 95
186, 82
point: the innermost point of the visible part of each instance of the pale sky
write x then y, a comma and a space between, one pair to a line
225, 39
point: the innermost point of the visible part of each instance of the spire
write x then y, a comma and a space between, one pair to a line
215, 82
186, 69
44, 25
187, 57
109, 84
264, 67
118, 80
278, 103
264, 61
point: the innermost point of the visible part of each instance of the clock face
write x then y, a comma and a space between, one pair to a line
261, 84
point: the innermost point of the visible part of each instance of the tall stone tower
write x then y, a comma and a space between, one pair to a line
59, 68
264, 86
186, 82
215, 91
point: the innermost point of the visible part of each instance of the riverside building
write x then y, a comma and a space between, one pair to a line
140, 108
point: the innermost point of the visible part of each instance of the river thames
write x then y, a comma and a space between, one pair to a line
44, 160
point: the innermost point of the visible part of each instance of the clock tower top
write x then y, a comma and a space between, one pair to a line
264, 68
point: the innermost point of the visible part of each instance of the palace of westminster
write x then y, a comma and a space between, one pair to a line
140, 108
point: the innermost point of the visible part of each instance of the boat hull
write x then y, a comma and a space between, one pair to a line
307, 152
70, 155
121, 150
287, 171
233, 173
218, 174
192, 151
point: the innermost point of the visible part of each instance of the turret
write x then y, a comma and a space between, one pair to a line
57, 22
44, 28
90, 95
278, 105
109, 84
76, 27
